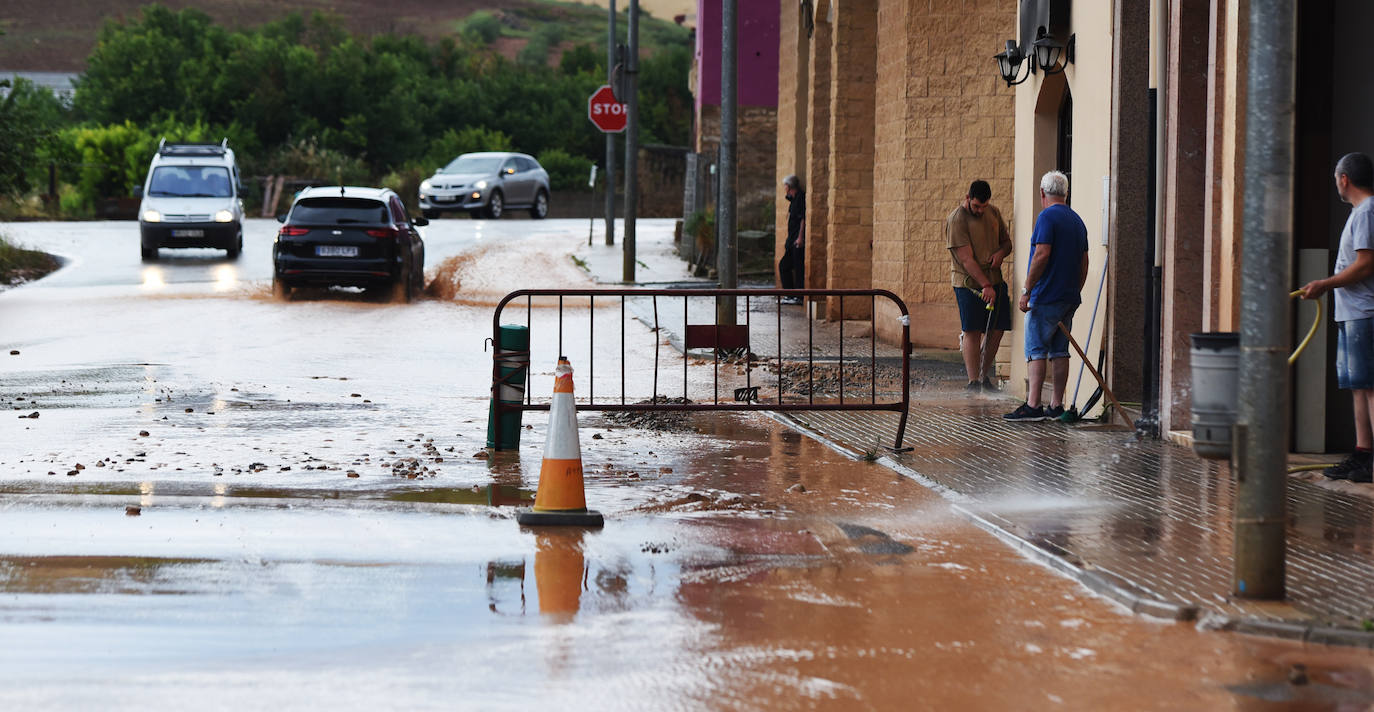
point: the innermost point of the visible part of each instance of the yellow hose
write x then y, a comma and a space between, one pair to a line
1310, 332
1298, 352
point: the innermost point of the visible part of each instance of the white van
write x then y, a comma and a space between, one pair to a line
191, 198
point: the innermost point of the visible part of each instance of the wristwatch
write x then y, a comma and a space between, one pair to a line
1025, 292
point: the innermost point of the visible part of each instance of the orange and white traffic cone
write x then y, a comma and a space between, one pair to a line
561, 499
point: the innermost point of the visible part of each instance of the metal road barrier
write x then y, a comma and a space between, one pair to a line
729, 345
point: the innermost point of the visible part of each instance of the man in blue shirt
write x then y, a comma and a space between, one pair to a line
1050, 295
1353, 285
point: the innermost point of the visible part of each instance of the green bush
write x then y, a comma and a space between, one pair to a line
406, 182
472, 139
307, 159
481, 28
566, 172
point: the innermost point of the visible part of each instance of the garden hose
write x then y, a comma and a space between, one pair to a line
1298, 352
1310, 332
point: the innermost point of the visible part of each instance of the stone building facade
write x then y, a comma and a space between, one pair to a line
888, 109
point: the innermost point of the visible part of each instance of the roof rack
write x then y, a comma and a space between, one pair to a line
192, 149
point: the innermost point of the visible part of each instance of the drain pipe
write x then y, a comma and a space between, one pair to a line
1148, 425
1260, 446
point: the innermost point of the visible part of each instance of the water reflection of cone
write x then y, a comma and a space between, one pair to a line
561, 499
558, 571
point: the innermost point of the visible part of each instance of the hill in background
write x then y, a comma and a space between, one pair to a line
58, 35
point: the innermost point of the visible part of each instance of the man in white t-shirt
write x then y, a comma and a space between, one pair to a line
1353, 285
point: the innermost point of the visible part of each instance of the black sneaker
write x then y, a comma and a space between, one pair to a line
989, 386
974, 387
1355, 468
1053, 412
1025, 413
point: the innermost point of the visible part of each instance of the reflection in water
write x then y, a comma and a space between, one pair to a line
226, 278
153, 278
558, 573
502, 576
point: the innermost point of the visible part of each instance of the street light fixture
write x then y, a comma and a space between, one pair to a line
1048, 53
1045, 55
1009, 64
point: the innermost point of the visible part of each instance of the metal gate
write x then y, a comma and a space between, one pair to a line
727, 343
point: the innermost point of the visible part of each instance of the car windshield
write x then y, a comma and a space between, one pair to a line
338, 211
190, 182
473, 164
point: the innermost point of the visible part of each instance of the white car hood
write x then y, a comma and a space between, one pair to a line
186, 206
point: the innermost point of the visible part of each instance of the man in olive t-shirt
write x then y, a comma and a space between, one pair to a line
978, 241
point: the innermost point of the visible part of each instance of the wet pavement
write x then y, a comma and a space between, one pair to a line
256, 504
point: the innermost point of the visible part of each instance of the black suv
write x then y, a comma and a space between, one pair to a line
347, 236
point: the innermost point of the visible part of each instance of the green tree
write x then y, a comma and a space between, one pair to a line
29, 118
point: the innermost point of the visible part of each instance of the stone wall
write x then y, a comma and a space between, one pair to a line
756, 138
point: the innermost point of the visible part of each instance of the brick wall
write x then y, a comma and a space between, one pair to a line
756, 138
817, 179
849, 201
942, 119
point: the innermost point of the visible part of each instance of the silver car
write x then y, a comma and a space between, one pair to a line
487, 185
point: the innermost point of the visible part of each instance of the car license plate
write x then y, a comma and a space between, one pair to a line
188, 233
336, 250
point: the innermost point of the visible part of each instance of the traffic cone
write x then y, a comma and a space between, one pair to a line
561, 499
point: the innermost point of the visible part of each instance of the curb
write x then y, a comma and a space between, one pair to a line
1120, 591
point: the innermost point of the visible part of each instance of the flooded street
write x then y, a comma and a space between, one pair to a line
212, 499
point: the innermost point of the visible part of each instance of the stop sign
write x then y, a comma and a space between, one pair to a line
608, 114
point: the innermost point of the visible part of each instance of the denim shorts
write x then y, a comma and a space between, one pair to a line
973, 311
1355, 354
1044, 340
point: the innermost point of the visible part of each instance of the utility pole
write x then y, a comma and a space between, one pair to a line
727, 254
631, 144
1260, 444
610, 138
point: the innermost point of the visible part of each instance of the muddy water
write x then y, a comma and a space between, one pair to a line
230, 559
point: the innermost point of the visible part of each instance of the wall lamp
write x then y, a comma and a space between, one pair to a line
1046, 55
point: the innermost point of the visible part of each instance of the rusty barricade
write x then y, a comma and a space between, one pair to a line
727, 343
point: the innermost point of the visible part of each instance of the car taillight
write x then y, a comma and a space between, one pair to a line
292, 231
383, 232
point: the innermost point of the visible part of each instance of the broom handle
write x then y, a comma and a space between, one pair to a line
1115, 404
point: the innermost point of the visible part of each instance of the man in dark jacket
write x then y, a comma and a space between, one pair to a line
790, 267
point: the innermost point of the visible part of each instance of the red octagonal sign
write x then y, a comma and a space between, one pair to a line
608, 114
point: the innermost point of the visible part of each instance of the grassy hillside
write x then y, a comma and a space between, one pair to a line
58, 35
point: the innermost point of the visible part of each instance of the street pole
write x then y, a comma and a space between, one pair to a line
610, 138
727, 256
1260, 448
631, 144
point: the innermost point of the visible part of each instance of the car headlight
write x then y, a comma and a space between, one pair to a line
480, 185
224, 216
152, 216
426, 185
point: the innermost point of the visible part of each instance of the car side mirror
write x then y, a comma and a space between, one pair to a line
510, 171
138, 191
281, 218
420, 221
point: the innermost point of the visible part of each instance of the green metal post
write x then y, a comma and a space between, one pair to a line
512, 369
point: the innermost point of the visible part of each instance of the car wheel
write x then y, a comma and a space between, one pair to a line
541, 205
496, 206
280, 291
233, 252
149, 254
430, 214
